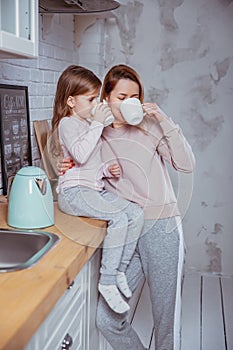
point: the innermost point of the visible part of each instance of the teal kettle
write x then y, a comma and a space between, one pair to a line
30, 203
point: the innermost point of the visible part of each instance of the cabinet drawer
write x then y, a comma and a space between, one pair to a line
73, 296
66, 317
72, 325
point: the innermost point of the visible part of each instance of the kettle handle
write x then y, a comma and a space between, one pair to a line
42, 185
9, 185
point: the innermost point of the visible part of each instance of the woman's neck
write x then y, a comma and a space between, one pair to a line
117, 125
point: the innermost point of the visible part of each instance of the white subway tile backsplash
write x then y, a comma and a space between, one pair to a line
21, 74
36, 75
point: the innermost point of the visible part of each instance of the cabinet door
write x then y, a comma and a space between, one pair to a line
18, 28
92, 334
67, 318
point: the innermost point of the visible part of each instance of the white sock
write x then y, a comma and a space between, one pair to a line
113, 297
122, 284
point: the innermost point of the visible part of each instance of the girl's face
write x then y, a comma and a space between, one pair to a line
82, 105
124, 88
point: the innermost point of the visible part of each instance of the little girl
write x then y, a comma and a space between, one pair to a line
81, 189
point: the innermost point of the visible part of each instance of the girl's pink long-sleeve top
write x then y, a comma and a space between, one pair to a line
82, 142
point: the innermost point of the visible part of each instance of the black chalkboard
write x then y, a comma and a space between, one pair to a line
15, 131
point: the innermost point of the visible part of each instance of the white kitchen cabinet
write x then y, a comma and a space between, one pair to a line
18, 28
92, 334
73, 317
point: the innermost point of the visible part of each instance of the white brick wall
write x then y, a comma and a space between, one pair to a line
56, 51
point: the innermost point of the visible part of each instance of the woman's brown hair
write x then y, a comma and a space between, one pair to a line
120, 71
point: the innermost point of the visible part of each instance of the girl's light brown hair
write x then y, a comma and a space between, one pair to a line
75, 80
120, 71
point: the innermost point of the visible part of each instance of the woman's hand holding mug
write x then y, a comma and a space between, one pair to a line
153, 110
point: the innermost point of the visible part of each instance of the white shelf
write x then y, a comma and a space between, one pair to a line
18, 28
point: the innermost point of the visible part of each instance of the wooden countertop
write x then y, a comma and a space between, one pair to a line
27, 296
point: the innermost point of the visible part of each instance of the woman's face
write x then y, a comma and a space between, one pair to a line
125, 88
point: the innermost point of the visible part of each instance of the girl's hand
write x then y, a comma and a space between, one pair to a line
102, 111
115, 170
63, 165
153, 110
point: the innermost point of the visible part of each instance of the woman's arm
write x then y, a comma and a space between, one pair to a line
63, 165
173, 146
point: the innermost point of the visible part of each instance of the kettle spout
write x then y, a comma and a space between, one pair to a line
42, 185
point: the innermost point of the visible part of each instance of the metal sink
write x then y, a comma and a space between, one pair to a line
22, 249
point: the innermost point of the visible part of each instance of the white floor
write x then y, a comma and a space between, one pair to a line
207, 314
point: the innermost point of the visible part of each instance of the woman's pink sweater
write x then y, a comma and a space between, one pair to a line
142, 155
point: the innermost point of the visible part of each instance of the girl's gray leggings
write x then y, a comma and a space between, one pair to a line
125, 223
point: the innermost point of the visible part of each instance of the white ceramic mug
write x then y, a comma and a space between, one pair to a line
109, 120
131, 110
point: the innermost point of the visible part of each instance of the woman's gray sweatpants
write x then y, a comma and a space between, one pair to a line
159, 257
125, 223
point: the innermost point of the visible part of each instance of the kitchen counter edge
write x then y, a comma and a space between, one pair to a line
27, 296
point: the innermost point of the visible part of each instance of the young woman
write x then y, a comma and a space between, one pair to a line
142, 152
81, 189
